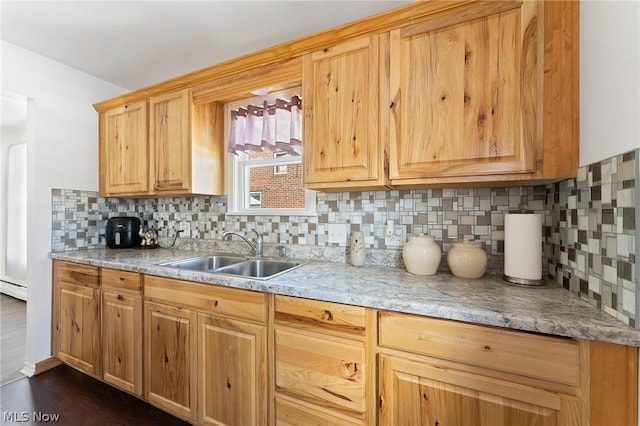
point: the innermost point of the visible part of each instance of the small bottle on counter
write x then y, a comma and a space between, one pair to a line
357, 252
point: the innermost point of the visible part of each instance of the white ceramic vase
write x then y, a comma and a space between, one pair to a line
357, 252
421, 255
467, 259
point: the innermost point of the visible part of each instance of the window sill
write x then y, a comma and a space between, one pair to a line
268, 212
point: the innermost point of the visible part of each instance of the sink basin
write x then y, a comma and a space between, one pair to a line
259, 268
207, 263
236, 265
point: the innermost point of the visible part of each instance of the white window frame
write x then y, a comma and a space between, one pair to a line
237, 168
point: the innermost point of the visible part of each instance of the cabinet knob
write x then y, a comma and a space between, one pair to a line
120, 297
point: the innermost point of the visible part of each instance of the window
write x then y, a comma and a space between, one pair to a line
264, 178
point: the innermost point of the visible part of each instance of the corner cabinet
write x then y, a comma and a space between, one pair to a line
342, 143
75, 334
165, 145
473, 96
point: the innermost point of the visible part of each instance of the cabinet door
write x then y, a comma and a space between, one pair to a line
122, 341
232, 372
170, 358
341, 108
170, 146
464, 95
325, 371
415, 393
78, 327
124, 155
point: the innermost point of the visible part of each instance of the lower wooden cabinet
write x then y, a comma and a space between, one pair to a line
419, 393
232, 365
440, 372
170, 363
215, 355
122, 330
75, 337
322, 373
206, 352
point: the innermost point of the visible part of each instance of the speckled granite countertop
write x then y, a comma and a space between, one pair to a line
549, 309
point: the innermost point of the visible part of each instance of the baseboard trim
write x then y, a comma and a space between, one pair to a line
31, 369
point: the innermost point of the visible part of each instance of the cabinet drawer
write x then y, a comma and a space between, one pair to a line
322, 371
334, 318
532, 355
293, 414
77, 274
210, 298
121, 280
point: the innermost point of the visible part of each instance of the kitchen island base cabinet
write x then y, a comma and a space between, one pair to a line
75, 336
170, 368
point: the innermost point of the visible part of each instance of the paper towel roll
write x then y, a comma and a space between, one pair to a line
523, 247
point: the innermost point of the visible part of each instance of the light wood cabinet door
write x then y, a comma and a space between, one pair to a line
75, 325
124, 153
170, 358
341, 108
232, 372
122, 340
415, 393
170, 141
465, 96
79, 327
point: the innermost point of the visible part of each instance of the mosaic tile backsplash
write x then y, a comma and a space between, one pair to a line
589, 225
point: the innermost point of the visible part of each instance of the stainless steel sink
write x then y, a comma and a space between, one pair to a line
236, 265
259, 268
207, 263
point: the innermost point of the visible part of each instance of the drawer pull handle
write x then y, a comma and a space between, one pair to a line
327, 316
487, 348
121, 278
120, 297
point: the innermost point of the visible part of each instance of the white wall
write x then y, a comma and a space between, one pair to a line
609, 78
62, 153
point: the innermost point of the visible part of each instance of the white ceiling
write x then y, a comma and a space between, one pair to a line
134, 44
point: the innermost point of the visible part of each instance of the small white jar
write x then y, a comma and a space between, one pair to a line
421, 255
467, 259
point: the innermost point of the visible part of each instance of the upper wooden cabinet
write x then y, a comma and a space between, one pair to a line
342, 140
124, 150
468, 92
473, 93
459, 95
176, 148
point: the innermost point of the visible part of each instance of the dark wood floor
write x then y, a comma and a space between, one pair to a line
78, 400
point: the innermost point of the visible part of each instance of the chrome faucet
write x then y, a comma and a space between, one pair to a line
257, 248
